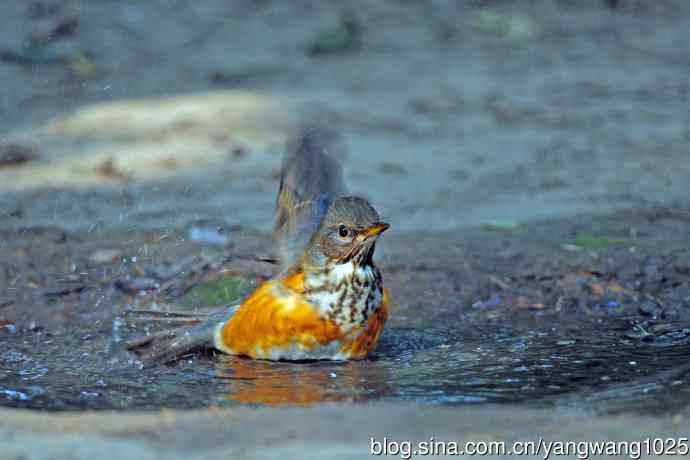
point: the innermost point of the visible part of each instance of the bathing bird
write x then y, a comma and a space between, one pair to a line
327, 300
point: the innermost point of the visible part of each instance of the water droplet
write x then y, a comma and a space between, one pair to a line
16, 395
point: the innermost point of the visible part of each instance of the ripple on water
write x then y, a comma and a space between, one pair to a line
597, 366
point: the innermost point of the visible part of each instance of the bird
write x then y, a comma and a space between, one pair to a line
326, 301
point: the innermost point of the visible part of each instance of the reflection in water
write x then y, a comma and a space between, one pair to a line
261, 382
607, 367
257, 382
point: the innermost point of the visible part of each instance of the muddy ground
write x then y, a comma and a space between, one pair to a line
532, 158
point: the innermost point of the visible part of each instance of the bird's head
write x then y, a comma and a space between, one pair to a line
347, 234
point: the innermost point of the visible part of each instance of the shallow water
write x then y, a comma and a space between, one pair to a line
600, 365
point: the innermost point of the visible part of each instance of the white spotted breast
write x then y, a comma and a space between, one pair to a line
345, 293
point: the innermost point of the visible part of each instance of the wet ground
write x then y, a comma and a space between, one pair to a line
534, 315
531, 157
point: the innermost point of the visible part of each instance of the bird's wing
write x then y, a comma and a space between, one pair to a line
311, 178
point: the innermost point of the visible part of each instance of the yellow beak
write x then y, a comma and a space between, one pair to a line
375, 229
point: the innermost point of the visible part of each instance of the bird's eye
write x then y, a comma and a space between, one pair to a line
343, 231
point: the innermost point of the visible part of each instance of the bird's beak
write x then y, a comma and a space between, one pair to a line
375, 229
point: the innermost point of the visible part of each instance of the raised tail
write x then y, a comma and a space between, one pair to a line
184, 332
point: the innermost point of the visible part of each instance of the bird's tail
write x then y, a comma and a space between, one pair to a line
183, 333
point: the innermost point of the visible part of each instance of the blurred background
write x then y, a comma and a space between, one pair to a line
456, 113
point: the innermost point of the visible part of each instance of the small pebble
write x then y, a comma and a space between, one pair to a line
14, 154
211, 236
105, 256
136, 285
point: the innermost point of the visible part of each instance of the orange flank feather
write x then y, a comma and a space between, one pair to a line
276, 322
